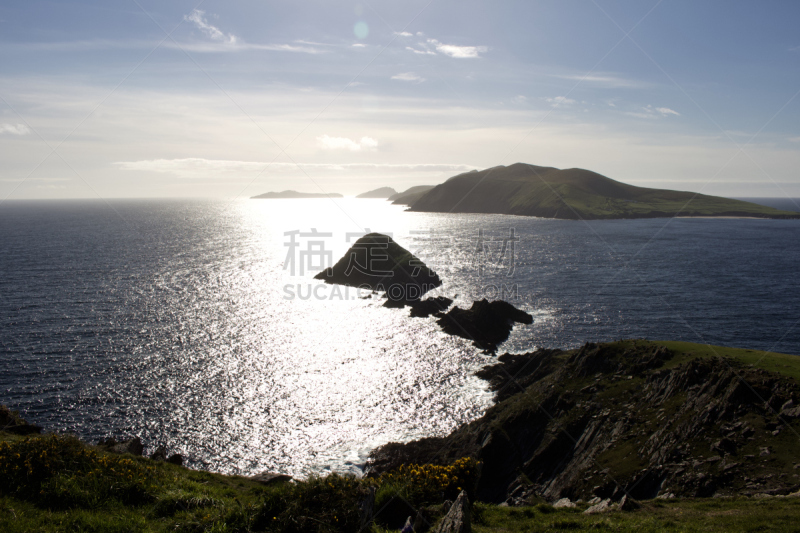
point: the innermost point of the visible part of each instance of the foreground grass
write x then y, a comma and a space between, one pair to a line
739, 514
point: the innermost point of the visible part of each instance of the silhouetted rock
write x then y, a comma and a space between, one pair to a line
377, 262
175, 459
486, 323
429, 306
160, 454
11, 422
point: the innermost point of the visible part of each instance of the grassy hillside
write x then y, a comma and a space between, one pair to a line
58, 483
522, 189
411, 195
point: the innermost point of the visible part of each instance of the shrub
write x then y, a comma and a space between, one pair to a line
317, 505
60, 471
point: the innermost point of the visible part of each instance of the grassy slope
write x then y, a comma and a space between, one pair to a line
179, 499
740, 514
521, 189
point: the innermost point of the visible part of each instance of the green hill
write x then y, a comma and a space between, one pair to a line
383, 192
522, 189
410, 195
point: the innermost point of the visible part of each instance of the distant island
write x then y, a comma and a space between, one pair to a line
294, 194
411, 195
383, 192
522, 189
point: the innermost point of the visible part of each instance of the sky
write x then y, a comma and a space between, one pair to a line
232, 99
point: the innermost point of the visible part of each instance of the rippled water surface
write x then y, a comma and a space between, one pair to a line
183, 322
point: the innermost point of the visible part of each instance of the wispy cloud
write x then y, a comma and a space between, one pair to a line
195, 167
408, 76
651, 112
343, 143
460, 52
560, 101
196, 46
432, 46
667, 111
213, 32
15, 129
602, 80
403, 34
794, 49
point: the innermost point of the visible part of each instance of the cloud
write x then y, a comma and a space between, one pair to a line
460, 52
794, 139
653, 112
520, 99
403, 34
667, 111
212, 31
408, 76
15, 129
195, 167
560, 101
602, 80
794, 49
343, 143
423, 51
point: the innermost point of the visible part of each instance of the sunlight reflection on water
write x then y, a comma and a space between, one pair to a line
170, 319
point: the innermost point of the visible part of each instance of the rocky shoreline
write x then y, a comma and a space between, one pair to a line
632, 418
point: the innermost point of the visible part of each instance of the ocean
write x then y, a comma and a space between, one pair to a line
197, 324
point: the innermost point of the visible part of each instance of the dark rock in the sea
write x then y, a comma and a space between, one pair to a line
423, 308
268, 478
175, 459
132, 446
160, 454
486, 323
377, 262
11, 422
457, 519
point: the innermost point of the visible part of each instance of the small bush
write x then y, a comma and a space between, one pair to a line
60, 471
317, 505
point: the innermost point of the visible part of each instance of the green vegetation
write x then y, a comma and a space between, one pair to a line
58, 483
684, 515
574, 193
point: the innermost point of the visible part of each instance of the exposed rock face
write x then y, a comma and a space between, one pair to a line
486, 323
11, 422
457, 519
377, 262
133, 446
628, 418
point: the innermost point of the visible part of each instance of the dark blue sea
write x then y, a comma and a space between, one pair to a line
198, 325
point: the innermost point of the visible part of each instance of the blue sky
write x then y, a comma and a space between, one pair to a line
145, 99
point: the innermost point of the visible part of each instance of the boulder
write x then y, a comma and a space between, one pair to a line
175, 459
563, 502
132, 446
602, 507
377, 262
268, 478
457, 518
486, 323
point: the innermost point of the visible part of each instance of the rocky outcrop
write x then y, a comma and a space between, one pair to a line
132, 446
457, 519
377, 262
486, 323
11, 422
631, 418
